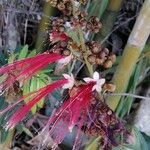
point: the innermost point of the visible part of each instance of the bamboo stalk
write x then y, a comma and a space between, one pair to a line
108, 18
114, 5
132, 51
47, 12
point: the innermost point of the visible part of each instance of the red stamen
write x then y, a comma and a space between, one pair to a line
70, 114
19, 115
23, 69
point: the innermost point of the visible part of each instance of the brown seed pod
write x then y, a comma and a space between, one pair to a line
94, 24
63, 44
92, 59
57, 50
112, 57
102, 55
61, 6
106, 51
66, 52
108, 64
109, 87
94, 46
95, 49
99, 61
61, 28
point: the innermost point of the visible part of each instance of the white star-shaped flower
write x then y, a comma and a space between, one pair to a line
70, 83
98, 82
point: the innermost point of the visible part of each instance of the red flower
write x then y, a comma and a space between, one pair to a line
58, 36
23, 69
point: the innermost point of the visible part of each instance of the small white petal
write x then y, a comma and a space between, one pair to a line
70, 83
87, 80
65, 60
71, 128
66, 86
94, 87
96, 75
66, 76
100, 82
98, 88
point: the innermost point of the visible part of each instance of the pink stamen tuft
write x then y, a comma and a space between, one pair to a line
71, 113
19, 115
23, 69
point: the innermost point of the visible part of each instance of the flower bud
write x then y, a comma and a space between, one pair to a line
66, 52
91, 59
112, 57
99, 61
109, 87
108, 64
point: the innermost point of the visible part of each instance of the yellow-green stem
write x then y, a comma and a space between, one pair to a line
47, 11
131, 53
114, 5
82, 41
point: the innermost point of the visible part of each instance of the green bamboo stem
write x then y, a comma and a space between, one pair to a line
132, 51
108, 18
48, 12
114, 5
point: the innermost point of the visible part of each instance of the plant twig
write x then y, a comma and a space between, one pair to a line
130, 95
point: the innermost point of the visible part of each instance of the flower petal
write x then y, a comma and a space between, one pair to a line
100, 82
70, 83
96, 75
88, 80
65, 60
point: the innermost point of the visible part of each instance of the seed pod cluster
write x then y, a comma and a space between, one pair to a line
63, 5
94, 24
102, 121
57, 24
79, 19
100, 56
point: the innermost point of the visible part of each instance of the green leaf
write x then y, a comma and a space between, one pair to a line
33, 87
11, 58
102, 7
97, 8
27, 131
40, 84
32, 53
23, 53
126, 102
74, 35
93, 145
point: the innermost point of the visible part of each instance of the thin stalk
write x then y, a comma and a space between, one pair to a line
85, 55
132, 51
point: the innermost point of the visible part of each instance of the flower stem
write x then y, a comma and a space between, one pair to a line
132, 51
82, 42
